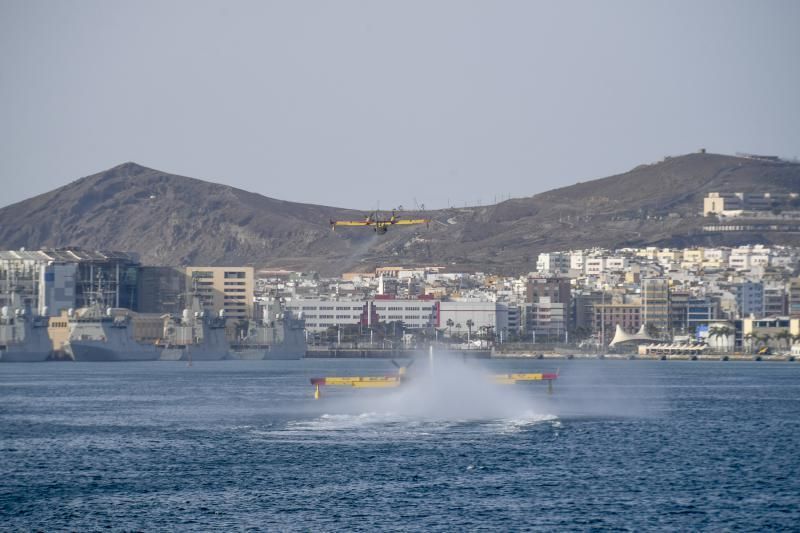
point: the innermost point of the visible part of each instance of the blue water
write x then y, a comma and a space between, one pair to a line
637, 445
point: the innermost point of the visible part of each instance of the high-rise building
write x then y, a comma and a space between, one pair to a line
794, 297
223, 288
610, 315
701, 311
584, 319
548, 306
775, 299
750, 299
555, 288
546, 320
163, 290
678, 311
655, 305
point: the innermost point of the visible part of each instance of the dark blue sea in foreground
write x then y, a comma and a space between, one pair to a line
236, 445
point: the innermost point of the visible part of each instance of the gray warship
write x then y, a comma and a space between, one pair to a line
23, 337
101, 336
279, 335
195, 336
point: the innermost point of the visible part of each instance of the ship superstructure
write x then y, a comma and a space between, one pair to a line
23, 336
278, 335
195, 336
98, 335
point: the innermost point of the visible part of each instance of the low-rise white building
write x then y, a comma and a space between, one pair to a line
594, 265
616, 264
553, 262
481, 314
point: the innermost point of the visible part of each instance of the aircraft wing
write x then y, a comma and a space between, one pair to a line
411, 221
352, 223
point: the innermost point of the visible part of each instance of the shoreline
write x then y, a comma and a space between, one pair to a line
636, 357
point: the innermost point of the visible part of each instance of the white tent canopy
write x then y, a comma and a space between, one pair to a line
621, 336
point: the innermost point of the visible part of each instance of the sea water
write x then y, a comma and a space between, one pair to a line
638, 445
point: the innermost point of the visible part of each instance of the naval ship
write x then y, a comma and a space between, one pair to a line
23, 337
279, 335
98, 336
195, 336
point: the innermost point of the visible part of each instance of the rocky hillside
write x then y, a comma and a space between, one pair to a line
174, 220
170, 220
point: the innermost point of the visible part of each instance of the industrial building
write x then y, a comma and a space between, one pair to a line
54, 280
163, 289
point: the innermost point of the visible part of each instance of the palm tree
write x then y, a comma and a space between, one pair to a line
784, 335
748, 339
764, 340
449, 326
712, 334
458, 330
489, 333
470, 323
720, 332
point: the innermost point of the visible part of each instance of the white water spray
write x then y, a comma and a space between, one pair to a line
451, 388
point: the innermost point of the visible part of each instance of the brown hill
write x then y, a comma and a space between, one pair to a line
170, 219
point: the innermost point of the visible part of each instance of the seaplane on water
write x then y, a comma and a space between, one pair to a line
401, 377
379, 223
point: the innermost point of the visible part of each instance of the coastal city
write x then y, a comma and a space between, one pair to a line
650, 302
699, 302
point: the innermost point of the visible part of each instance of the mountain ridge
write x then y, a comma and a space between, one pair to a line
178, 220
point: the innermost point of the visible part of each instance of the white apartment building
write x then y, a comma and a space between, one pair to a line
715, 258
321, 313
482, 314
783, 261
553, 262
594, 265
616, 264
746, 257
651, 253
576, 260
414, 314
668, 256
692, 257
546, 320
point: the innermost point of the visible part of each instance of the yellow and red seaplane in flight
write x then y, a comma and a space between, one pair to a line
379, 223
401, 377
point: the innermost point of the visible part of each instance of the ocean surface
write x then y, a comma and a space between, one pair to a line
238, 445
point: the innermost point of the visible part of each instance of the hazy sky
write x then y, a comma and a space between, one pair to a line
351, 103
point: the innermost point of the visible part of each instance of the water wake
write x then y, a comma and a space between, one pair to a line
449, 391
